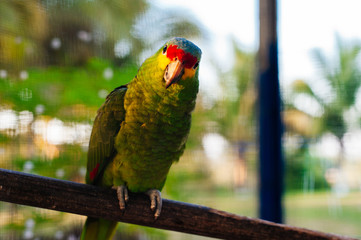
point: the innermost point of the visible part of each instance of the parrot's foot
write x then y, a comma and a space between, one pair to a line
155, 201
123, 196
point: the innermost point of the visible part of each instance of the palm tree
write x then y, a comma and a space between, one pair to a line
343, 77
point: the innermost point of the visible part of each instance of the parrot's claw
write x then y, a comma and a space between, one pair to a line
155, 201
123, 196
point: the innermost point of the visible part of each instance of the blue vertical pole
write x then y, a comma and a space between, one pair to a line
270, 126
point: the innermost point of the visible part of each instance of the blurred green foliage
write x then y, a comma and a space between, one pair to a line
304, 172
68, 93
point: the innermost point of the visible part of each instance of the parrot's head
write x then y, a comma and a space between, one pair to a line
179, 58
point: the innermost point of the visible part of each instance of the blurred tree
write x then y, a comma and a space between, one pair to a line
238, 102
83, 29
110, 29
342, 76
22, 25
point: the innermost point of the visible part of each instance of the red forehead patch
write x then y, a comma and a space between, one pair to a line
174, 52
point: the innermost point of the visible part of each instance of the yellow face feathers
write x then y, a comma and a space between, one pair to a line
163, 61
188, 73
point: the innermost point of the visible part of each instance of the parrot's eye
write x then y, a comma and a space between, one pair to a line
165, 49
196, 65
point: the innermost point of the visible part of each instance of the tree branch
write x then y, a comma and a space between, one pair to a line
66, 196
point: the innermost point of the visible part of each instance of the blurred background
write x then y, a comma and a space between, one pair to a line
60, 58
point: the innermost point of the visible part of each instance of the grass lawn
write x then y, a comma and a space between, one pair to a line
325, 212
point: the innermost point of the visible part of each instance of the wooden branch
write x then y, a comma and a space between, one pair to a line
66, 196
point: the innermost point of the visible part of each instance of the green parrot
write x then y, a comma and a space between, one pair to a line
142, 128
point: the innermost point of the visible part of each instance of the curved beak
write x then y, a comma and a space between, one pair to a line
173, 72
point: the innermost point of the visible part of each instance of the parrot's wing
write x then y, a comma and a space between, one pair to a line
106, 126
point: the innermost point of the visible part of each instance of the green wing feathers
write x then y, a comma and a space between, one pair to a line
101, 151
106, 127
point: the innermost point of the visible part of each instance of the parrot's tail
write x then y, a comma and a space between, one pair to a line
98, 229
